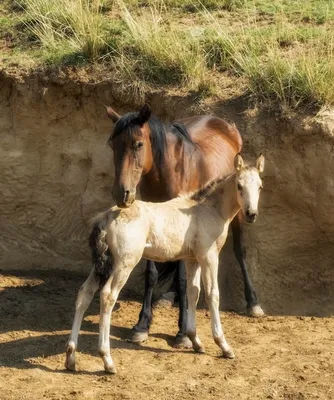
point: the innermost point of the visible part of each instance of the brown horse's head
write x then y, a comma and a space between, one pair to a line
130, 141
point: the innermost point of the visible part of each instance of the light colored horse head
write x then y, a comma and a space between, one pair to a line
249, 185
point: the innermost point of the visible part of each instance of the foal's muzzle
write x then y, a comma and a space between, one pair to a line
251, 215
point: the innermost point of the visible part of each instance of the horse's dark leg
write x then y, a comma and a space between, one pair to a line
168, 298
182, 339
140, 330
253, 307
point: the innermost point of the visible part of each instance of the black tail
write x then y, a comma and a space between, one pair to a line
166, 271
101, 256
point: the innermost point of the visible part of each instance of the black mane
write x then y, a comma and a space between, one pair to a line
129, 125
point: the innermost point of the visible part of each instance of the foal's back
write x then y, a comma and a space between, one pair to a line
166, 231
149, 228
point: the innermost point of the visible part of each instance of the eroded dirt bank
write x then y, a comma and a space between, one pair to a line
56, 172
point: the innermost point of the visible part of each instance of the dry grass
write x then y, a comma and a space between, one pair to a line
76, 26
164, 53
283, 64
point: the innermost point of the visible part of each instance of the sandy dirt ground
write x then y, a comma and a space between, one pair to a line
276, 357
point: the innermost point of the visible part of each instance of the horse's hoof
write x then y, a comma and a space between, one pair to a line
182, 342
255, 311
165, 301
111, 369
139, 337
228, 353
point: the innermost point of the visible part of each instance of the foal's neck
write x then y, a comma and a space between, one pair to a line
225, 198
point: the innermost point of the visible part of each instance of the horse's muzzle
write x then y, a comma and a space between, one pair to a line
124, 204
123, 198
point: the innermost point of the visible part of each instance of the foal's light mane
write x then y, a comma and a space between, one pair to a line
202, 194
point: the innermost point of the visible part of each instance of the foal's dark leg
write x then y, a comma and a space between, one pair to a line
182, 339
253, 307
140, 330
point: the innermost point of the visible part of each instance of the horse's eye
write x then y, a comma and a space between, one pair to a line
139, 145
239, 187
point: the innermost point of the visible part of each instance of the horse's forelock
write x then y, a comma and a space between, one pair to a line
127, 124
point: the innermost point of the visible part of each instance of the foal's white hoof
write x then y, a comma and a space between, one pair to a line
139, 337
228, 353
70, 358
255, 311
70, 366
199, 349
110, 369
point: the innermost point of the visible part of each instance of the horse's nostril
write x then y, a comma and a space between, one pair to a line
126, 195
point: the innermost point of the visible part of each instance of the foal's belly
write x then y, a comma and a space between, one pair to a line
168, 246
161, 254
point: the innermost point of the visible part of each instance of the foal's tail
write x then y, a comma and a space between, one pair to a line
101, 255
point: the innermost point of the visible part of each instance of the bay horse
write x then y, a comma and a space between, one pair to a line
164, 161
120, 237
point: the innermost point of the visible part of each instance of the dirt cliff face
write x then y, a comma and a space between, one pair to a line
56, 173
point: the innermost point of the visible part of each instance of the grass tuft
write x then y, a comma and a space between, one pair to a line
281, 50
74, 25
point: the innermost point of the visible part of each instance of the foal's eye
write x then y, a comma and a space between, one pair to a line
139, 145
239, 187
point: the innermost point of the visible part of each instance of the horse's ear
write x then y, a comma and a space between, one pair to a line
144, 114
238, 162
260, 164
112, 114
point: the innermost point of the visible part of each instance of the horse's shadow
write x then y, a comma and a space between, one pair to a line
45, 302
46, 305
27, 353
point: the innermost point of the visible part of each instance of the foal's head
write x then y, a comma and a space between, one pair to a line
132, 152
249, 185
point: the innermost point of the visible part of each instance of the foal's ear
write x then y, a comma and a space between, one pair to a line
238, 162
144, 114
112, 114
260, 164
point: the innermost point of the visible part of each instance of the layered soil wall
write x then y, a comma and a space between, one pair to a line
57, 171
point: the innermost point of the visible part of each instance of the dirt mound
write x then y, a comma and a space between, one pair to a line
56, 173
